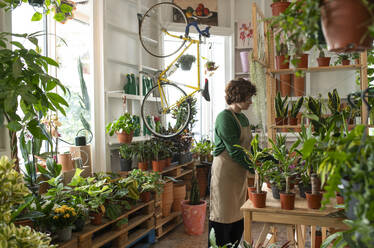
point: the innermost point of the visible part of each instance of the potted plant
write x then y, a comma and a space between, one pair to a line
124, 127
210, 66
281, 109
126, 152
194, 211
142, 151
279, 6
282, 62
156, 161
64, 217
254, 157
185, 61
286, 159
295, 108
343, 59
51, 170
322, 60
97, 193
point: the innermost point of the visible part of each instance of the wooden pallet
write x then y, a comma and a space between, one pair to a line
166, 224
73, 243
144, 240
140, 221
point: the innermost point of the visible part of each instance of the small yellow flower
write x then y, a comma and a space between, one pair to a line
55, 217
73, 213
66, 216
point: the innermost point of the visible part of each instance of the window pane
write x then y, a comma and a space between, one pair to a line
77, 36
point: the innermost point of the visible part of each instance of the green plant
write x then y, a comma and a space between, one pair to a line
156, 150
195, 192
12, 189
334, 102
254, 156
142, 151
350, 157
127, 151
186, 59
296, 106
84, 97
27, 90
286, 159
124, 123
281, 106
341, 57
23, 236
282, 50
147, 181
52, 169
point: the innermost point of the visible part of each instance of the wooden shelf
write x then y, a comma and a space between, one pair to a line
241, 73
318, 69
114, 144
243, 48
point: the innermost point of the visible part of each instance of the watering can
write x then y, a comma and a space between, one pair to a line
81, 140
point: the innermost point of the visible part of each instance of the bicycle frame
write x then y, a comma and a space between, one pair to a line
162, 77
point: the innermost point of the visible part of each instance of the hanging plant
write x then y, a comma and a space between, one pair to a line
185, 61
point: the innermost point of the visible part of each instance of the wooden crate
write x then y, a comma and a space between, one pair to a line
140, 221
73, 243
166, 224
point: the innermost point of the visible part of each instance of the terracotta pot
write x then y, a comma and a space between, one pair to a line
299, 86
293, 121
285, 122
345, 25
145, 196
314, 201
279, 121
279, 7
339, 199
167, 162
179, 194
157, 165
346, 62
66, 161
162, 164
251, 182
194, 217
26, 222
303, 61
250, 190
280, 62
325, 61
96, 218
285, 84
318, 240
287, 201
143, 166
259, 200
125, 138
167, 199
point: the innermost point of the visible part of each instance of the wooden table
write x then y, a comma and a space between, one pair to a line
301, 216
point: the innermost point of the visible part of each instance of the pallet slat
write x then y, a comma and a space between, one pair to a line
169, 228
165, 220
136, 235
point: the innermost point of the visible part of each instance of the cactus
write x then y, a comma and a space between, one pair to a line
195, 192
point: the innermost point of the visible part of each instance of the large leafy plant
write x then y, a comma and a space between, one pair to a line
27, 91
125, 123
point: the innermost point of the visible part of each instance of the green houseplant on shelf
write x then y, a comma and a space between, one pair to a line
185, 61
254, 156
142, 150
194, 210
124, 127
64, 217
281, 110
343, 59
126, 152
295, 109
157, 163
286, 159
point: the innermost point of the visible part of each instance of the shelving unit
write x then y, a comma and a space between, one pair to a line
269, 62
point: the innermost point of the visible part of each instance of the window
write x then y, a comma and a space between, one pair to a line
213, 50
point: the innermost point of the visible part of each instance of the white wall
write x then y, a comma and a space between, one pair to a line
5, 26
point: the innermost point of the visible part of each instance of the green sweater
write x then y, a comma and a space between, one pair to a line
227, 134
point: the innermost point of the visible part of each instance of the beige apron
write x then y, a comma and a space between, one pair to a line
228, 187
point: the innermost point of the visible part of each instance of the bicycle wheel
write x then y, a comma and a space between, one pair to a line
170, 123
152, 24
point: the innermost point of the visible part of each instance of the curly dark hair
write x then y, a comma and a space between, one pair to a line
239, 90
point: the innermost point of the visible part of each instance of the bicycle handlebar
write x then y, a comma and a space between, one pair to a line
204, 32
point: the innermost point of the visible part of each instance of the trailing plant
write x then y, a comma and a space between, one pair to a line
296, 106
281, 106
186, 59
125, 123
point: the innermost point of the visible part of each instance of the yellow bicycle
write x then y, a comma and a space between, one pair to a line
167, 102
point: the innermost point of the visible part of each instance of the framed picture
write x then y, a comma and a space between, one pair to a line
205, 10
244, 34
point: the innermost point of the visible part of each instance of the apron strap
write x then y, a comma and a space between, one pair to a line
236, 118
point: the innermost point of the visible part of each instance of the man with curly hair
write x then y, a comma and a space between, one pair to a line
230, 169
